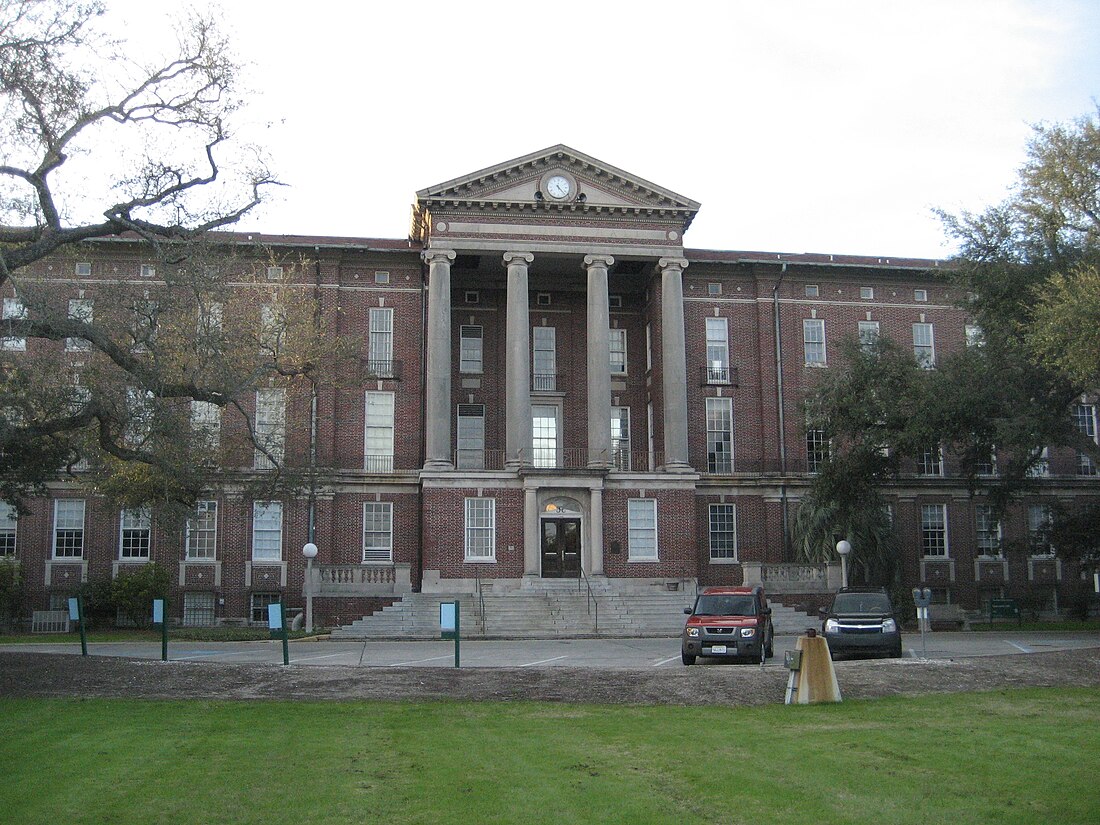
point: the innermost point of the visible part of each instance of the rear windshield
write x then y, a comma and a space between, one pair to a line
726, 606
861, 603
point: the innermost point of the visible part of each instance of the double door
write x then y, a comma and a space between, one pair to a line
561, 548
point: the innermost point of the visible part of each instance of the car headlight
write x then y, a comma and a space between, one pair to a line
889, 626
748, 632
693, 633
831, 625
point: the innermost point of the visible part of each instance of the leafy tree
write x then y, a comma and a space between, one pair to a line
133, 593
1027, 271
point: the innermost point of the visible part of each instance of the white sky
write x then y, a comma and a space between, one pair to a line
800, 126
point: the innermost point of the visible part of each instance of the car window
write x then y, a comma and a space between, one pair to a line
861, 603
726, 605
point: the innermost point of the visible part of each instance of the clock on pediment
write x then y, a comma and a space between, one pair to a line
558, 185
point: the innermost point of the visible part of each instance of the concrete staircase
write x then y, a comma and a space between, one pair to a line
550, 609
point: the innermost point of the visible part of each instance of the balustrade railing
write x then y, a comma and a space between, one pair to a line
360, 579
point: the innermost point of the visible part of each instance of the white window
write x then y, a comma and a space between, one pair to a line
83, 269
813, 336
380, 343
920, 294
974, 335
68, 528
378, 433
544, 435
620, 438
720, 436
930, 461
202, 531
198, 609
272, 327
867, 293
614, 301
642, 529
260, 604
206, 425
139, 417
80, 309
381, 276
1041, 467
14, 310
933, 529
718, 351
274, 273
812, 291
471, 437
470, 349
148, 271
988, 530
617, 341
817, 450
648, 347
377, 531
135, 533
544, 357
1084, 416
714, 289
267, 531
542, 299
924, 347
270, 427
9, 524
868, 334
1039, 520
723, 532
481, 529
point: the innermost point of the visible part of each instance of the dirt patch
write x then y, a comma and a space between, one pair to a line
45, 675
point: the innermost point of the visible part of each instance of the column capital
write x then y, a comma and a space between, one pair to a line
518, 258
598, 260
431, 256
667, 264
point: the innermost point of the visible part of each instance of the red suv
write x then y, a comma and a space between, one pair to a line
728, 623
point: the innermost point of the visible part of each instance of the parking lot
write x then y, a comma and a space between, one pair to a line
583, 653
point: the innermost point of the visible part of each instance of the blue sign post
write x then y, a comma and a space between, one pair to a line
276, 621
160, 608
76, 614
449, 624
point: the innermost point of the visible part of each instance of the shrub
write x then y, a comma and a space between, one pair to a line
11, 591
132, 593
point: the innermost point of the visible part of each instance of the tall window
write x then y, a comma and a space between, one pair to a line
135, 533
1039, 521
1041, 467
813, 336
267, 531
974, 335
470, 354
481, 529
868, 334
544, 435
13, 311
68, 528
9, 525
471, 437
617, 341
270, 427
720, 436
544, 359
1084, 416
198, 608
817, 450
202, 531
80, 309
930, 461
988, 530
206, 425
642, 529
924, 347
139, 422
380, 344
723, 532
378, 433
718, 351
272, 327
620, 438
933, 529
377, 531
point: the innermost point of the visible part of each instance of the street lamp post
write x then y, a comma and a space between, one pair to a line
843, 548
310, 552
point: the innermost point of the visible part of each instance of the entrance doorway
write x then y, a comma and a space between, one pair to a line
561, 548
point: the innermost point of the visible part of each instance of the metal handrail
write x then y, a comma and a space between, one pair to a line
592, 600
480, 597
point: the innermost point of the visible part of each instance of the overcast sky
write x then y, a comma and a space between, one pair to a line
799, 126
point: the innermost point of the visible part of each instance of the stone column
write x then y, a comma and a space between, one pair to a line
437, 401
599, 362
595, 534
532, 538
674, 364
517, 364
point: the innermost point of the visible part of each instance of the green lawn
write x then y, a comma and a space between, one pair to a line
1014, 756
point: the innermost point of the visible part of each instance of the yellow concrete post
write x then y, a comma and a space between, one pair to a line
816, 677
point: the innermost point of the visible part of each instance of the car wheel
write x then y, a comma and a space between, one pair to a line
687, 658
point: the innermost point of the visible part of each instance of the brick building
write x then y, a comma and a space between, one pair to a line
554, 386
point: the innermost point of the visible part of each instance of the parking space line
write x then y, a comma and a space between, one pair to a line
666, 661
418, 661
1021, 648
311, 658
542, 661
206, 653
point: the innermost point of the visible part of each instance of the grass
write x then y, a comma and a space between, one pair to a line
1013, 756
175, 634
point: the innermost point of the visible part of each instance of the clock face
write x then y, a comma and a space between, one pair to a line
557, 186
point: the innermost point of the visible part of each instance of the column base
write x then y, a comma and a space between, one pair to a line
677, 467
438, 464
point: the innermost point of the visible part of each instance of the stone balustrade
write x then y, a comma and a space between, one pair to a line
361, 579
